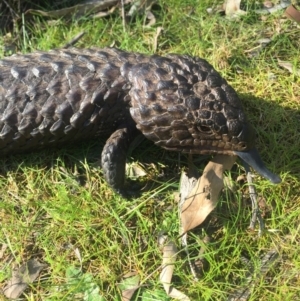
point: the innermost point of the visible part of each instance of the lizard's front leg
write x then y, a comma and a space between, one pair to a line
113, 158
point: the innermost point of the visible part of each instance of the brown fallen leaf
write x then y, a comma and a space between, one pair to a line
2, 250
289, 67
140, 6
135, 170
188, 181
293, 13
169, 258
151, 17
143, 7
130, 283
232, 8
204, 196
128, 293
25, 275
105, 13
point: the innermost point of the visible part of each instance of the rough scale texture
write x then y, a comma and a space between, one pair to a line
179, 102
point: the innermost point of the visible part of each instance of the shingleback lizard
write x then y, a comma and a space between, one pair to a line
179, 102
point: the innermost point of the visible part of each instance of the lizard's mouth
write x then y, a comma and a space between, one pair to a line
253, 158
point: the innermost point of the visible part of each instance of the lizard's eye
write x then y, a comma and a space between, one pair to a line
204, 129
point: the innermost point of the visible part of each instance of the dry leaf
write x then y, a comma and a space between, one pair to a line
129, 284
25, 275
169, 258
232, 8
204, 196
78, 255
139, 6
143, 7
293, 13
127, 294
78, 10
289, 66
3, 249
135, 170
187, 182
103, 14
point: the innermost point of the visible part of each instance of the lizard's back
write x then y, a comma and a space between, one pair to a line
51, 98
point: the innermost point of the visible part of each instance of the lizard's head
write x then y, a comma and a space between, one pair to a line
183, 104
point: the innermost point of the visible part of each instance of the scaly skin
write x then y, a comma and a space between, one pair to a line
179, 102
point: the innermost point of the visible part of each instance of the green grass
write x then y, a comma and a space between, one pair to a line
56, 202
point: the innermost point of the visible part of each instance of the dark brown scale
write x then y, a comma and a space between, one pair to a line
192, 103
11, 116
185, 92
219, 119
75, 74
109, 72
217, 106
181, 134
169, 97
58, 87
57, 128
162, 74
7, 133
163, 132
19, 72
186, 142
214, 81
230, 113
159, 61
219, 94
166, 85
45, 126
31, 113
171, 142
158, 108
64, 111
162, 120
49, 107
25, 127
98, 95
145, 111
178, 111
35, 90
200, 89
234, 127
151, 96
204, 114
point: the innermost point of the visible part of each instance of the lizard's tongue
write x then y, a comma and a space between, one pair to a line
252, 158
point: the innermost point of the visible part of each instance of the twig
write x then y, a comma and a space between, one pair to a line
256, 216
184, 243
243, 294
123, 15
158, 31
187, 183
74, 40
24, 31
